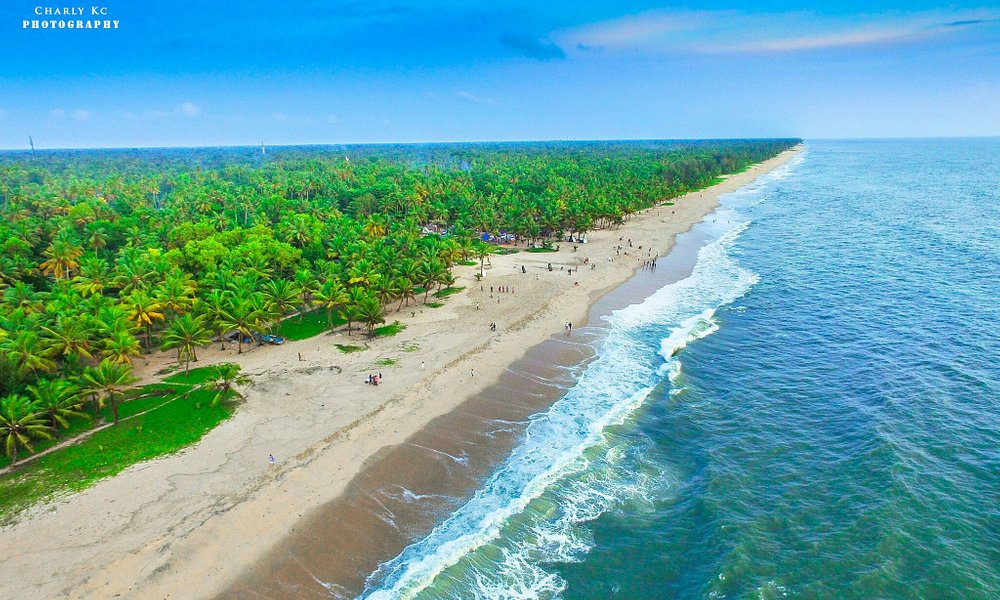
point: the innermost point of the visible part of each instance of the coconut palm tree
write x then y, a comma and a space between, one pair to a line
62, 258
402, 288
57, 399
226, 381
186, 333
144, 310
67, 337
371, 311
106, 382
20, 422
305, 282
241, 316
282, 296
27, 351
120, 346
331, 296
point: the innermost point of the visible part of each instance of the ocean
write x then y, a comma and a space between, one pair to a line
813, 411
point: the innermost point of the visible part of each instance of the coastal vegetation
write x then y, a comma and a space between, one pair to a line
107, 255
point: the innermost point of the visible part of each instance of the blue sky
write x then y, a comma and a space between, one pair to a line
218, 72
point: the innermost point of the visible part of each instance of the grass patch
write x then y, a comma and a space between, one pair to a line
349, 348
537, 249
388, 330
434, 304
307, 325
386, 362
447, 292
163, 430
669, 203
411, 347
194, 377
468, 263
505, 251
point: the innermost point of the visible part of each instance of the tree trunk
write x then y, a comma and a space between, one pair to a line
114, 407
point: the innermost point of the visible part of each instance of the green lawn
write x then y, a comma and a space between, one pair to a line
447, 292
540, 249
175, 419
388, 330
349, 348
308, 325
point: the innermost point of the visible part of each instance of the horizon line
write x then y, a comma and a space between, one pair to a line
520, 141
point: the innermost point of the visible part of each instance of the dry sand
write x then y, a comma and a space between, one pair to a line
187, 525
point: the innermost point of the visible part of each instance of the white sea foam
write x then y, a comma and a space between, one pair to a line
566, 471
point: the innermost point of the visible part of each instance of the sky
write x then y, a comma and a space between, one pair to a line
219, 72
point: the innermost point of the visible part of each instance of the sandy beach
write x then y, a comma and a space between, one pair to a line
190, 524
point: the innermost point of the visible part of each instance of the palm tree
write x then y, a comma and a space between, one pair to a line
186, 333
281, 296
94, 277
68, 337
331, 296
144, 311
176, 293
20, 422
226, 381
25, 350
58, 399
214, 308
305, 281
61, 259
371, 311
402, 288
120, 346
106, 382
241, 316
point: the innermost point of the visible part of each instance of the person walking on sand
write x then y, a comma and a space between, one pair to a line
270, 459
472, 373
422, 365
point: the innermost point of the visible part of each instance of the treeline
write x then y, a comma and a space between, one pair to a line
107, 254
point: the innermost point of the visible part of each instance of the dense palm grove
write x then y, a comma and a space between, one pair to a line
105, 255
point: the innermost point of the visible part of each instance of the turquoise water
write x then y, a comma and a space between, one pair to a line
813, 413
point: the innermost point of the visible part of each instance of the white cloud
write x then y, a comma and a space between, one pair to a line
736, 32
476, 99
189, 109
81, 114
57, 113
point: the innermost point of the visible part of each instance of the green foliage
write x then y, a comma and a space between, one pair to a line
388, 330
350, 348
311, 324
386, 362
447, 292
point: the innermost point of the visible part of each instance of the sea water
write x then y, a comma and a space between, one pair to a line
814, 412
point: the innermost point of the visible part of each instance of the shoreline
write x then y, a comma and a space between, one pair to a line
192, 523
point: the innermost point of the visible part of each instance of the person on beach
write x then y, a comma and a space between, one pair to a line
422, 365
270, 459
477, 306
472, 373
